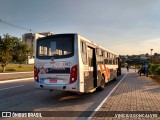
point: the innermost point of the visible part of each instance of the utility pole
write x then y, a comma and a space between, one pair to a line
151, 54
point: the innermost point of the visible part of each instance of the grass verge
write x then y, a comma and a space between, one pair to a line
18, 68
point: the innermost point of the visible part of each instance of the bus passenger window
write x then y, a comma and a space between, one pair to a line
90, 56
83, 47
110, 61
114, 61
84, 52
106, 61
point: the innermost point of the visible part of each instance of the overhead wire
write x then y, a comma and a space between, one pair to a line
13, 25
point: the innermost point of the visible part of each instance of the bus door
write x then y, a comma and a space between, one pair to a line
94, 68
92, 65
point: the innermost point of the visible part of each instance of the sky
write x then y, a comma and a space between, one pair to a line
126, 27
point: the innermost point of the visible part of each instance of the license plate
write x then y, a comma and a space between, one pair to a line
53, 80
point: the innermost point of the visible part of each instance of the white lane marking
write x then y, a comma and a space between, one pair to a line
16, 72
15, 80
91, 116
11, 87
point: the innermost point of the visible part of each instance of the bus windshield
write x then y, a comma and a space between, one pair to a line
57, 47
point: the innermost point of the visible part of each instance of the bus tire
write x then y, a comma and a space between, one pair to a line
115, 79
102, 84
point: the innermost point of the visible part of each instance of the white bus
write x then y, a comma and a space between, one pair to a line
70, 62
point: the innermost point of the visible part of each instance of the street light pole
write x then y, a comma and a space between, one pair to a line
151, 55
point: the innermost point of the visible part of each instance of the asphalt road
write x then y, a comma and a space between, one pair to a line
22, 96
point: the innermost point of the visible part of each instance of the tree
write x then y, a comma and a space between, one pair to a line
22, 51
12, 48
6, 50
147, 55
155, 55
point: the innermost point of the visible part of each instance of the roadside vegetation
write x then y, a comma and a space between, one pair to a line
154, 70
13, 50
18, 68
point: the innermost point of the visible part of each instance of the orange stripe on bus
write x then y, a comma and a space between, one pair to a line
107, 71
104, 70
101, 69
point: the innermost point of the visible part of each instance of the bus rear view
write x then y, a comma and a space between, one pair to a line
56, 62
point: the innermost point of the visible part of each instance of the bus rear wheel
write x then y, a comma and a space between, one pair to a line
102, 84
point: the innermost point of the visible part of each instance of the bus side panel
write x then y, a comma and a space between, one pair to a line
109, 72
103, 70
113, 71
80, 68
